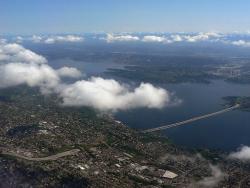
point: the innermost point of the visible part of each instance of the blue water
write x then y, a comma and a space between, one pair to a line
226, 131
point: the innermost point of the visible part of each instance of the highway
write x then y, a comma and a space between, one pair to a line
191, 120
49, 158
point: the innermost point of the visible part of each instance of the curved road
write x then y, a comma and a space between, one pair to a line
49, 158
191, 120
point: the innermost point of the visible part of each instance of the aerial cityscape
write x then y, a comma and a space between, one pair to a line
125, 94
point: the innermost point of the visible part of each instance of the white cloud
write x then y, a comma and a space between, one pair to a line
70, 38
112, 38
43, 76
209, 36
160, 38
212, 181
19, 65
69, 72
17, 53
195, 38
153, 38
55, 39
241, 43
19, 39
67, 38
177, 38
36, 39
107, 94
50, 41
22, 66
242, 154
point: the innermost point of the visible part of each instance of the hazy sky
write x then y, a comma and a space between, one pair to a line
76, 16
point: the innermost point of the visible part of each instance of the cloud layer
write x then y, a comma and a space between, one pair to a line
10, 53
153, 38
107, 94
67, 38
209, 36
121, 38
236, 39
242, 43
41, 75
243, 154
182, 37
70, 72
56, 39
22, 66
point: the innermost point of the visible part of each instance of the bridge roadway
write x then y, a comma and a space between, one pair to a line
191, 120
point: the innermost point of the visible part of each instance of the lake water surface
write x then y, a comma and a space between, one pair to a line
226, 131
